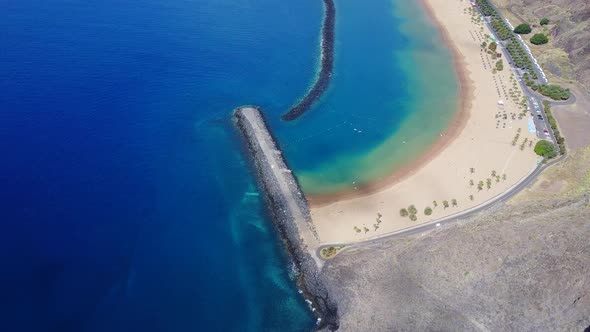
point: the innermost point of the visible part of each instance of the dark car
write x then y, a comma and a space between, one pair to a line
539, 116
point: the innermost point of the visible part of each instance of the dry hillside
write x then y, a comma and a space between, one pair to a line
567, 56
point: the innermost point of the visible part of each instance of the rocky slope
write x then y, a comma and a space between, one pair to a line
567, 56
524, 268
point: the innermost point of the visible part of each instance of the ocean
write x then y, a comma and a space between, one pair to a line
127, 200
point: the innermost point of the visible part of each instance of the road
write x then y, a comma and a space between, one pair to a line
543, 129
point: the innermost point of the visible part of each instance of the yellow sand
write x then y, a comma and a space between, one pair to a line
480, 145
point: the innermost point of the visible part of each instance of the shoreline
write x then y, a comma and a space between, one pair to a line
326, 65
457, 124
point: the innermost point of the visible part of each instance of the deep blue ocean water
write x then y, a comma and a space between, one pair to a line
126, 201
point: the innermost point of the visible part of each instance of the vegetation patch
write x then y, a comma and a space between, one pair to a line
545, 149
523, 28
554, 91
539, 39
331, 251
553, 123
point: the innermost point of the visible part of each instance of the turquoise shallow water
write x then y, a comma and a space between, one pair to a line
393, 82
127, 203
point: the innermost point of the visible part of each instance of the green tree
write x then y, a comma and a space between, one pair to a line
544, 21
539, 39
545, 149
413, 217
493, 46
403, 212
428, 211
412, 209
523, 29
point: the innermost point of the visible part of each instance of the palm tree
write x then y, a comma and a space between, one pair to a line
471, 197
493, 173
471, 183
472, 170
454, 202
445, 204
434, 203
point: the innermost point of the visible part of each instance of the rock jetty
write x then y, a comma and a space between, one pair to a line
289, 211
327, 64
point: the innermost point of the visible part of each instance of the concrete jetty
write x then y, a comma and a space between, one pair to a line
289, 210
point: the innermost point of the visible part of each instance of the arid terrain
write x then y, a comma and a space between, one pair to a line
521, 266
567, 56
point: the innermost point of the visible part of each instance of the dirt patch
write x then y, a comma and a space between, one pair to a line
574, 120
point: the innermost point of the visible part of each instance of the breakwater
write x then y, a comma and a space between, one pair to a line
327, 64
289, 210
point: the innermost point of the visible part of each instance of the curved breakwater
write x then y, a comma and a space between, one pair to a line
327, 64
289, 210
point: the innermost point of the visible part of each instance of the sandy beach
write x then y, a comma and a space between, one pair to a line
486, 150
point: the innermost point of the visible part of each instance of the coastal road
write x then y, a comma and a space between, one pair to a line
418, 229
543, 129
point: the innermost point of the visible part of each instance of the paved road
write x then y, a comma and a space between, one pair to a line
542, 126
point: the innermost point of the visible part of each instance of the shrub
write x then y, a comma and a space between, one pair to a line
403, 212
428, 211
544, 21
523, 29
539, 39
545, 149
554, 91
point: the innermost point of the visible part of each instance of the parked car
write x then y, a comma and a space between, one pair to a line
539, 116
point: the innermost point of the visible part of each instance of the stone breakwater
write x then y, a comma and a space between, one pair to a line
327, 64
289, 211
